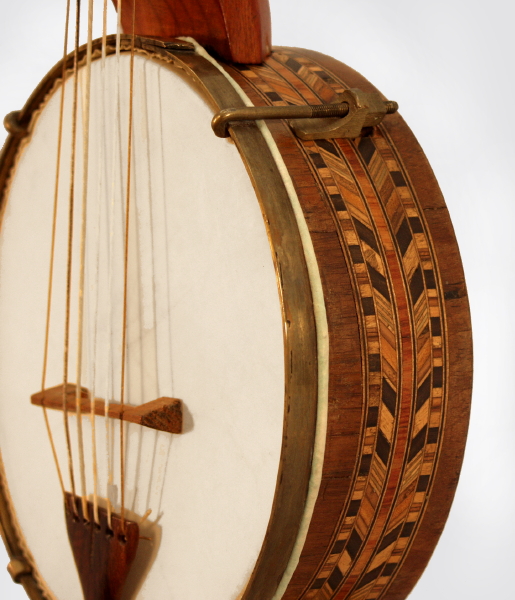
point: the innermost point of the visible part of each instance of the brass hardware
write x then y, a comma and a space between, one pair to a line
345, 119
17, 568
12, 124
172, 45
224, 118
365, 110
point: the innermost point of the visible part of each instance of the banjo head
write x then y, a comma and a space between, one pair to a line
304, 300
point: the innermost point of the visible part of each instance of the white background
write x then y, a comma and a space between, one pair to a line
450, 67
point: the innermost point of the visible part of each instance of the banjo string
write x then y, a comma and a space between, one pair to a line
154, 211
151, 209
70, 235
70, 248
160, 483
111, 252
52, 244
94, 344
125, 267
104, 33
85, 172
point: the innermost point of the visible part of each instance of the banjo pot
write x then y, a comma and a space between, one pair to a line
297, 306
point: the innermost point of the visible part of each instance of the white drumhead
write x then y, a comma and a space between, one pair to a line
204, 326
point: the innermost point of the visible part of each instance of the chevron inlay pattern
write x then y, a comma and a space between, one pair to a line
392, 265
396, 379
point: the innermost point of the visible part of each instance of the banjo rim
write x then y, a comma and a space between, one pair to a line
295, 296
457, 318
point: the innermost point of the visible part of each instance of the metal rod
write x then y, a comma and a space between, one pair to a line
221, 120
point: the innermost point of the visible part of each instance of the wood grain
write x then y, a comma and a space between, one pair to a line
347, 395
103, 552
414, 329
457, 327
236, 30
163, 414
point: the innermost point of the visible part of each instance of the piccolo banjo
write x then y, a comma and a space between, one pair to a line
235, 341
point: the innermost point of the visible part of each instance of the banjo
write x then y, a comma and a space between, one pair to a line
235, 342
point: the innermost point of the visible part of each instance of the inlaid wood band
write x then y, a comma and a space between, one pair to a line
376, 213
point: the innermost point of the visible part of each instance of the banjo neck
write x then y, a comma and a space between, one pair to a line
238, 31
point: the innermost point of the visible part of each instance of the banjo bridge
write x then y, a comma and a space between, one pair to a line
163, 414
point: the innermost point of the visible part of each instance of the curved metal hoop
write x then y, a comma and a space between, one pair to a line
300, 346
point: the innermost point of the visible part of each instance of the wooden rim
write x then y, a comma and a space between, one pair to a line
398, 407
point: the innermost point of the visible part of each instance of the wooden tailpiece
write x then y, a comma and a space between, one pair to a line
164, 414
103, 555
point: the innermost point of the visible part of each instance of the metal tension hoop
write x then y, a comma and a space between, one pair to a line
345, 119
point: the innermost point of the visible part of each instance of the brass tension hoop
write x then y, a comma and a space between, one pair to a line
345, 119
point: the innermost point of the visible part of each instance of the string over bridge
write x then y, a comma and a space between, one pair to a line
163, 414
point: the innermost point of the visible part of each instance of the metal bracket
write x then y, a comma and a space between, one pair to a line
169, 45
365, 110
17, 568
13, 125
345, 119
